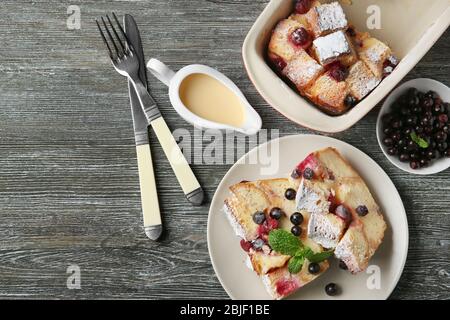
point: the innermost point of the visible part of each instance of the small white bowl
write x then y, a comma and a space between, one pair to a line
423, 85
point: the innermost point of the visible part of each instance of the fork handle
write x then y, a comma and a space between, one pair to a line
186, 178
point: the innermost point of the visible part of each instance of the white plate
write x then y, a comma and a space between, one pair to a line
424, 85
228, 259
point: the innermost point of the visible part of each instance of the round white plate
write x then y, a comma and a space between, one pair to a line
228, 259
424, 85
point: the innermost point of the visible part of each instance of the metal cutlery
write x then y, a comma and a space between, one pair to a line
149, 195
126, 61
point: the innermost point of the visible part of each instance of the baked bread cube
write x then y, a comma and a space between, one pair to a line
329, 94
361, 81
302, 70
280, 44
327, 18
303, 18
333, 47
374, 53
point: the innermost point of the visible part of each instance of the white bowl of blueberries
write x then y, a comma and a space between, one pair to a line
413, 127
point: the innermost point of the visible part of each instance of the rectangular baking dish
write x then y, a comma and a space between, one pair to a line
409, 27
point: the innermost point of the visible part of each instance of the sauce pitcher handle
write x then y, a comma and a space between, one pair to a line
160, 71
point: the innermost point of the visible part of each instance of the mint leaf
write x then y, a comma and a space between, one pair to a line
320, 257
296, 264
305, 252
284, 242
419, 141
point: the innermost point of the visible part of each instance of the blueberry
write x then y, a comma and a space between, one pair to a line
308, 174
276, 213
258, 244
297, 219
259, 217
392, 151
388, 142
290, 194
343, 213
404, 157
331, 289
314, 268
414, 165
296, 231
296, 174
342, 265
362, 211
350, 101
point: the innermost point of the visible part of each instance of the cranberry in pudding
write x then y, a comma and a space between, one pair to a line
246, 245
278, 62
285, 287
389, 66
351, 32
338, 71
301, 37
302, 6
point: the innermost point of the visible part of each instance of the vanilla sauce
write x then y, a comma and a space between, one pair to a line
210, 99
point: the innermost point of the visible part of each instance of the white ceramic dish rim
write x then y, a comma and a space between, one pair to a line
306, 136
253, 122
429, 84
343, 122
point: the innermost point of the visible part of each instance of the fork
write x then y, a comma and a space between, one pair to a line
126, 63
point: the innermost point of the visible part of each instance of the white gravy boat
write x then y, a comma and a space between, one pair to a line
252, 121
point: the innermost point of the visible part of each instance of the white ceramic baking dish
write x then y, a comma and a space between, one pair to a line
409, 27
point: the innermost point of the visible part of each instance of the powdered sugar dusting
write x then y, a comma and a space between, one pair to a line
302, 70
331, 17
361, 80
331, 47
376, 52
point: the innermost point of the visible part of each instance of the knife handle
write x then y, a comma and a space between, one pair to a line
149, 195
186, 178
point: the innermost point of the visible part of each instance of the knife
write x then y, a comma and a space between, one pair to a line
149, 195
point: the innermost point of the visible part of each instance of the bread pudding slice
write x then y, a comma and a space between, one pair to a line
344, 214
246, 199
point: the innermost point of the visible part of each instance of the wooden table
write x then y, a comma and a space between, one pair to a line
69, 192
